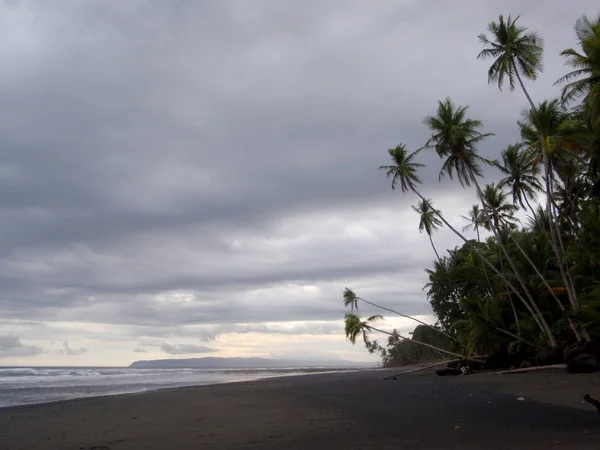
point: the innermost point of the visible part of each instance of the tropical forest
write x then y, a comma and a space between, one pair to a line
526, 291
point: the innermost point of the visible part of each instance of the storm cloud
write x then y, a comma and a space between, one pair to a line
168, 166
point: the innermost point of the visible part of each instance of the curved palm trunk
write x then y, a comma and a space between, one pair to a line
529, 205
554, 239
549, 210
559, 248
539, 320
546, 285
512, 307
411, 318
433, 347
434, 249
531, 301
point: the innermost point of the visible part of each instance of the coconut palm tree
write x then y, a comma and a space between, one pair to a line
499, 210
521, 175
355, 327
584, 80
455, 138
403, 171
428, 221
475, 220
515, 50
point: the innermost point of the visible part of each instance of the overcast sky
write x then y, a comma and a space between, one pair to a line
189, 178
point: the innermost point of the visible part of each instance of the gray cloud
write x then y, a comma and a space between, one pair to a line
11, 345
66, 350
185, 349
139, 350
225, 151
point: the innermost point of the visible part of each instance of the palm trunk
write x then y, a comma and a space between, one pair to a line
512, 306
546, 285
566, 278
533, 304
539, 321
529, 205
433, 347
411, 318
434, 249
565, 271
522, 85
554, 230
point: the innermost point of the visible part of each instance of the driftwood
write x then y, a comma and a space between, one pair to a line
531, 369
419, 369
592, 401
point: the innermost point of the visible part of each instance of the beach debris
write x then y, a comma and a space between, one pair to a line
583, 357
592, 401
452, 363
532, 369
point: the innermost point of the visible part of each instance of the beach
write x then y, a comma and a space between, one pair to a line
354, 410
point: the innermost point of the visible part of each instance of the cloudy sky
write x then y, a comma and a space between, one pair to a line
192, 178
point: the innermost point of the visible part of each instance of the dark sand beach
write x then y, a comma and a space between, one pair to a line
355, 410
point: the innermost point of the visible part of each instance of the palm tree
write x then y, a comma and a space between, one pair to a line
584, 80
455, 138
429, 221
475, 219
499, 210
521, 175
404, 171
354, 327
515, 51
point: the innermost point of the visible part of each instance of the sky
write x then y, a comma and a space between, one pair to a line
186, 179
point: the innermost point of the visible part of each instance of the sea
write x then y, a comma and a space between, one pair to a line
32, 385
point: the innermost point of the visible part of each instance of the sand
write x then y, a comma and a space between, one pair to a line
355, 410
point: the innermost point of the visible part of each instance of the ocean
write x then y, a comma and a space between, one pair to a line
31, 385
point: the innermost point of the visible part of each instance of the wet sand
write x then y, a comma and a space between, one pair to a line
355, 410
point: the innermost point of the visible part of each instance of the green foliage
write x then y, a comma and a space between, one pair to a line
533, 284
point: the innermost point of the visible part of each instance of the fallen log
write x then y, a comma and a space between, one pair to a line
531, 369
592, 401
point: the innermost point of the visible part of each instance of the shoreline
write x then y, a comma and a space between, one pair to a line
279, 373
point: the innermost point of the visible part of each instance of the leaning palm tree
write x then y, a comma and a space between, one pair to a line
351, 300
520, 172
515, 50
428, 221
455, 138
354, 327
404, 172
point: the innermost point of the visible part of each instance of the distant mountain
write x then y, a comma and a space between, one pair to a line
212, 362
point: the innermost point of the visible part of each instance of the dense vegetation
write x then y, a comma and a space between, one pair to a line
532, 284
